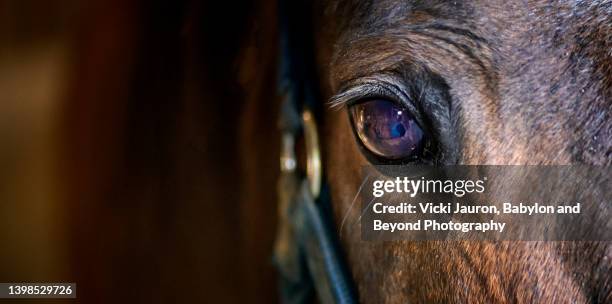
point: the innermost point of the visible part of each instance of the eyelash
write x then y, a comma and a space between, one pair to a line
368, 90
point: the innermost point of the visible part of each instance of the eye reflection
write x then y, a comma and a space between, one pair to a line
387, 129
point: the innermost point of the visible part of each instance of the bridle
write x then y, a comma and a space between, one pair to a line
307, 252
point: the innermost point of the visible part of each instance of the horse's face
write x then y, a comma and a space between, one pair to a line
489, 82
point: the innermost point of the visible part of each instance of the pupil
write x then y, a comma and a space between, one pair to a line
398, 130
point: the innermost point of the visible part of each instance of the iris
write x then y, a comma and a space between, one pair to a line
387, 129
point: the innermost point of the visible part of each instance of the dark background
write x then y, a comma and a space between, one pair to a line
138, 148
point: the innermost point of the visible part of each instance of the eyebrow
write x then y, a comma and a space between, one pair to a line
451, 39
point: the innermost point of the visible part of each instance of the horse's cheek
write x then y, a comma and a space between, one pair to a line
343, 163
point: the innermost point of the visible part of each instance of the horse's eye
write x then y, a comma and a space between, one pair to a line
387, 129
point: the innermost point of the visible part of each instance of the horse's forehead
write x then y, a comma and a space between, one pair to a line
506, 59
487, 18
368, 12
503, 31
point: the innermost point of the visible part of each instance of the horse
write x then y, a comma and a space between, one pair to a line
496, 83
170, 148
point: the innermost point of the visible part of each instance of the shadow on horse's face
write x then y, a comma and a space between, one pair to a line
491, 82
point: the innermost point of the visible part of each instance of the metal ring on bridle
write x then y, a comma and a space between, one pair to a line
313, 154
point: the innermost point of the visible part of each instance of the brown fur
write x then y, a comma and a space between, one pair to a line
530, 83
